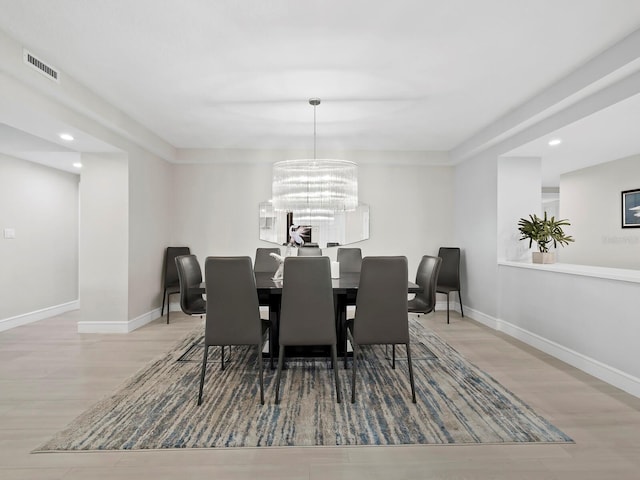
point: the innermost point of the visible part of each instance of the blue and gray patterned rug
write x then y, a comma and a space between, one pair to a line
457, 404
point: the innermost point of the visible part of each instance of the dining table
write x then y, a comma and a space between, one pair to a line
345, 289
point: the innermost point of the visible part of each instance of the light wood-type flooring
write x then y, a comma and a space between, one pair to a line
49, 374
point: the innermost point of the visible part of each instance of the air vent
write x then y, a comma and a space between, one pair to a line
37, 64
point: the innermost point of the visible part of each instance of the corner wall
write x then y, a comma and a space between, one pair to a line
39, 274
591, 199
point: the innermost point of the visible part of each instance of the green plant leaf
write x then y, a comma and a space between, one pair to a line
544, 231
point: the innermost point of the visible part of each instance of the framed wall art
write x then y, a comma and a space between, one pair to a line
631, 208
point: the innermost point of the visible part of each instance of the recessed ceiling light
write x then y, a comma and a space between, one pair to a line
554, 142
66, 136
77, 165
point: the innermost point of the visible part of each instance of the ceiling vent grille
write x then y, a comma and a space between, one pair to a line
37, 64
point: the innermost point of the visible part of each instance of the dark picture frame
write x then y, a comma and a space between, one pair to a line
631, 208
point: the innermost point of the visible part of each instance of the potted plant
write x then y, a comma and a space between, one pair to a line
545, 232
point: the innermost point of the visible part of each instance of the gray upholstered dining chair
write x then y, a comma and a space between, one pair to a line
381, 311
264, 262
190, 276
309, 252
170, 280
233, 314
449, 277
350, 259
426, 277
307, 315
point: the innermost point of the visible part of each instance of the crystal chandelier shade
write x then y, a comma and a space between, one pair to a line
315, 187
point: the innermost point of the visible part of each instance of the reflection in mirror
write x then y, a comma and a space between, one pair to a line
343, 229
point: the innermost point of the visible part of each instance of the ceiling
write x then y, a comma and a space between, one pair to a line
587, 142
401, 75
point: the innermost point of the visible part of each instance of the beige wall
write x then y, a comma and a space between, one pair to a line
215, 208
40, 266
590, 198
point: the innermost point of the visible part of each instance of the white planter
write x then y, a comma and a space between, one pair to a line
542, 257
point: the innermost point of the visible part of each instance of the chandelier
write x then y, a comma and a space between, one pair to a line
315, 189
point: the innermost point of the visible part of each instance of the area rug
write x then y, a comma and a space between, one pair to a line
457, 403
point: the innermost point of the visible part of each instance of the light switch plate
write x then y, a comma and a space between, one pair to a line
9, 233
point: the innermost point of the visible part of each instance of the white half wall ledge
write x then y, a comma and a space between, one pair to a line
599, 370
620, 274
119, 327
30, 317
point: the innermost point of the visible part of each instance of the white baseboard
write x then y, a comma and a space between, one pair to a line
482, 318
25, 318
83, 326
454, 306
143, 319
128, 326
119, 327
606, 373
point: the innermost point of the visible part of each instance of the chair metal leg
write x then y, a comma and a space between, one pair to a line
270, 351
346, 342
345, 355
393, 356
413, 388
334, 356
164, 296
460, 299
353, 376
204, 367
261, 373
168, 306
280, 362
447, 308
349, 338
222, 357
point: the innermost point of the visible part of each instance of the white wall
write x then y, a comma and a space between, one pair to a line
104, 243
32, 103
215, 209
591, 199
498, 296
475, 208
411, 210
150, 198
40, 266
587, 321
519, 195
585, 316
